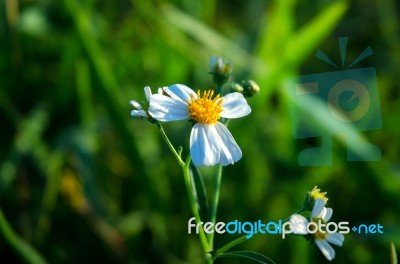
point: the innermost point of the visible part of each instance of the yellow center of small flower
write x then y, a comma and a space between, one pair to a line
204, 109
317, 194
318, 234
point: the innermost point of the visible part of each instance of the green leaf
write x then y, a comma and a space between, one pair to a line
249, 255
278, 25
50, 193
306, 41
299, 46
205, 37
109, 89
199, 192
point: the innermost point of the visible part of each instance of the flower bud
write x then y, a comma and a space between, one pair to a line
220, 70
250, 88
235, 87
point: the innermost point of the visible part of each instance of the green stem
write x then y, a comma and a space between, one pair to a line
23, 249
186, 175
231, 245
214, 205
171, 147
243, 238
202, 235
50, 193
297, 212
219, 89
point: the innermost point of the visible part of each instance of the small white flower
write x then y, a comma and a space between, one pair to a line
323, 214
210, 141
141, 111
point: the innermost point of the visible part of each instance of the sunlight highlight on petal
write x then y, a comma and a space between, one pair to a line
234, 105
326, 249
180, 92
230, 151
336, 239
202, 147
164, 108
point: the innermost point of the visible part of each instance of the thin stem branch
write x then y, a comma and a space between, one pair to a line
244, 238
171, 147
186, 175
215, 201
231, 245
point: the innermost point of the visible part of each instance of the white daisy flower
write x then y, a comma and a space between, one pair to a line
210, 141
322, 239
141, 110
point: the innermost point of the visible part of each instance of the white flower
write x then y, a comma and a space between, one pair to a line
210, 141
319, 214
141, 111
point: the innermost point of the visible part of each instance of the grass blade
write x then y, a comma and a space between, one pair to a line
23, 249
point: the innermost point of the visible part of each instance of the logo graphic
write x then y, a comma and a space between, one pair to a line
280, 227
345, 101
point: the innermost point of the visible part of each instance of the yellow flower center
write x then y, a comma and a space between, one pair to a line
317, 194
319, 233
204, 109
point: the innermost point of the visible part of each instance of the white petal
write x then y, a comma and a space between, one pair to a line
147, 92
230, 151
336, 239
318, 208
135, 104
164, 108
326, 249
234, 105
139, 113
180, 92
203, 149
327, 214
299, 224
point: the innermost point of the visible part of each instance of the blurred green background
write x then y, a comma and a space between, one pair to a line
83, 182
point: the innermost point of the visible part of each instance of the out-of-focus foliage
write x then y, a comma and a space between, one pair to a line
82, 182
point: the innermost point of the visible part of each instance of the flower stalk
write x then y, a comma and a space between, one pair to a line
215, 202
186, 175
185, 166
176, 154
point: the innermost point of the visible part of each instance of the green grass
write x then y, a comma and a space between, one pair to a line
81, 181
